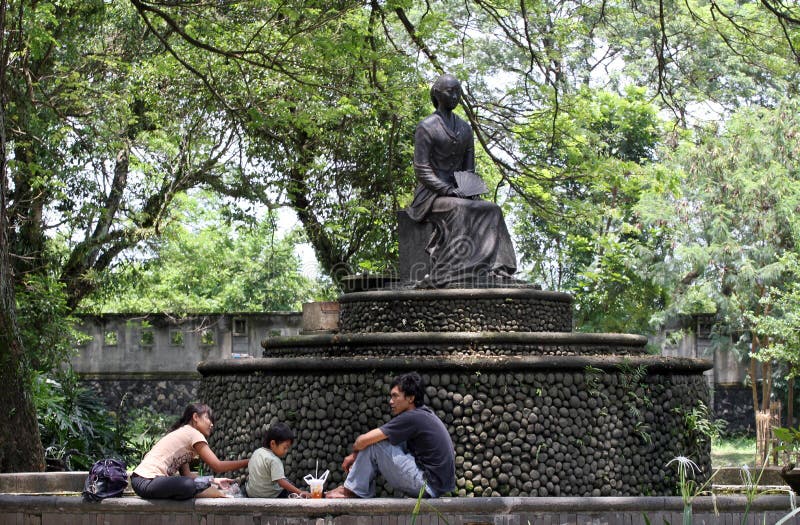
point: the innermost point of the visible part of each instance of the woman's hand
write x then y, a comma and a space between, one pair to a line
455, 192
222, 483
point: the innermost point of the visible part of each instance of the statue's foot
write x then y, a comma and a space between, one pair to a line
426, 283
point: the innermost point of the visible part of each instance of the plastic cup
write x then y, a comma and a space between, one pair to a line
316, 487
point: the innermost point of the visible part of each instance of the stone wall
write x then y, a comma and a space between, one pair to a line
734, 405
146, 344
167, 395
135, 361
591, 429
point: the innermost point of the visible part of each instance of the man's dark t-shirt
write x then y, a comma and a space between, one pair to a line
428, 441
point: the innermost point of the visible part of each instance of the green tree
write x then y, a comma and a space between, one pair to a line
520, 62
778, 325
105, 132
706, 59
525, 61
597, 246
19, 433
323, 99
100, 134
734, 225
531, 66
208, 262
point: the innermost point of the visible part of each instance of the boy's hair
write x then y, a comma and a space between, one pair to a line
411, 384
278, 432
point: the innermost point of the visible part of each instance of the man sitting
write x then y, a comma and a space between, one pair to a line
412, 450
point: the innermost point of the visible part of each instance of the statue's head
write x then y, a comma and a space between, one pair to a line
446, 87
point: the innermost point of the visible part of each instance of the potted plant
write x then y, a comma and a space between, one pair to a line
789, 444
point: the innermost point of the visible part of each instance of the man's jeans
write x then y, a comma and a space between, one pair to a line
396, 466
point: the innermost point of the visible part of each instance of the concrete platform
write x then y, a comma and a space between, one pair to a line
43, 482
68, 510
733, 476
54, 498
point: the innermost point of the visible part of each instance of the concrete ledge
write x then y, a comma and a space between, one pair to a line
653, 364
139, 376
389, 338
732, 476
607, 510
42, 482
456, 293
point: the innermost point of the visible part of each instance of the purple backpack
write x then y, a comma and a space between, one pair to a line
108, 478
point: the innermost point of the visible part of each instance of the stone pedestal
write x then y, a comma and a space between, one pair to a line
533, 408
415, 263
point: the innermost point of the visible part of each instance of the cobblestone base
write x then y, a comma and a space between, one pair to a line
490, 310
588, 432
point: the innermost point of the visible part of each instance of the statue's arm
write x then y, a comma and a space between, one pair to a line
468, 161
422, 165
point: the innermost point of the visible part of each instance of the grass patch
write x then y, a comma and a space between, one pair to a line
733, 451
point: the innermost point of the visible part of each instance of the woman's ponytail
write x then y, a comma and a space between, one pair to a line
189, 412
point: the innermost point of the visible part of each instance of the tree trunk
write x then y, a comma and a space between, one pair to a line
790, 404
328, 253
20, 443
752, 371
766, 384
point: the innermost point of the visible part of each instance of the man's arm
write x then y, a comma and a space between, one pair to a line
370, 438
363, 441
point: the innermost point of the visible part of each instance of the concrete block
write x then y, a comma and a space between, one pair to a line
320, 317
413, 237
42, 482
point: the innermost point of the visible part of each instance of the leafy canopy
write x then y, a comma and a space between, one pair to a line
211, 262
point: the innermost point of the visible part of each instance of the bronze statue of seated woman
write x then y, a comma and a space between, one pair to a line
470, 240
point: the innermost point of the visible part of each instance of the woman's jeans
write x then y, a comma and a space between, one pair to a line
166, 487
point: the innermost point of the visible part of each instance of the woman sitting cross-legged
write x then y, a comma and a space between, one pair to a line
155, 477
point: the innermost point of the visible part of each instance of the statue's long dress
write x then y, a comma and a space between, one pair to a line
470, 238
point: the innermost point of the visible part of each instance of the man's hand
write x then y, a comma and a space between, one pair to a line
362, 442
348, 462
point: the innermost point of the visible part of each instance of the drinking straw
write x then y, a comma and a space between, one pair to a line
316, 470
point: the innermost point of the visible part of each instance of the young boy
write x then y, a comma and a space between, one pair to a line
265, 469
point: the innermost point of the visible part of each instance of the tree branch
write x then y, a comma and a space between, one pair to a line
780, 13
412, 32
